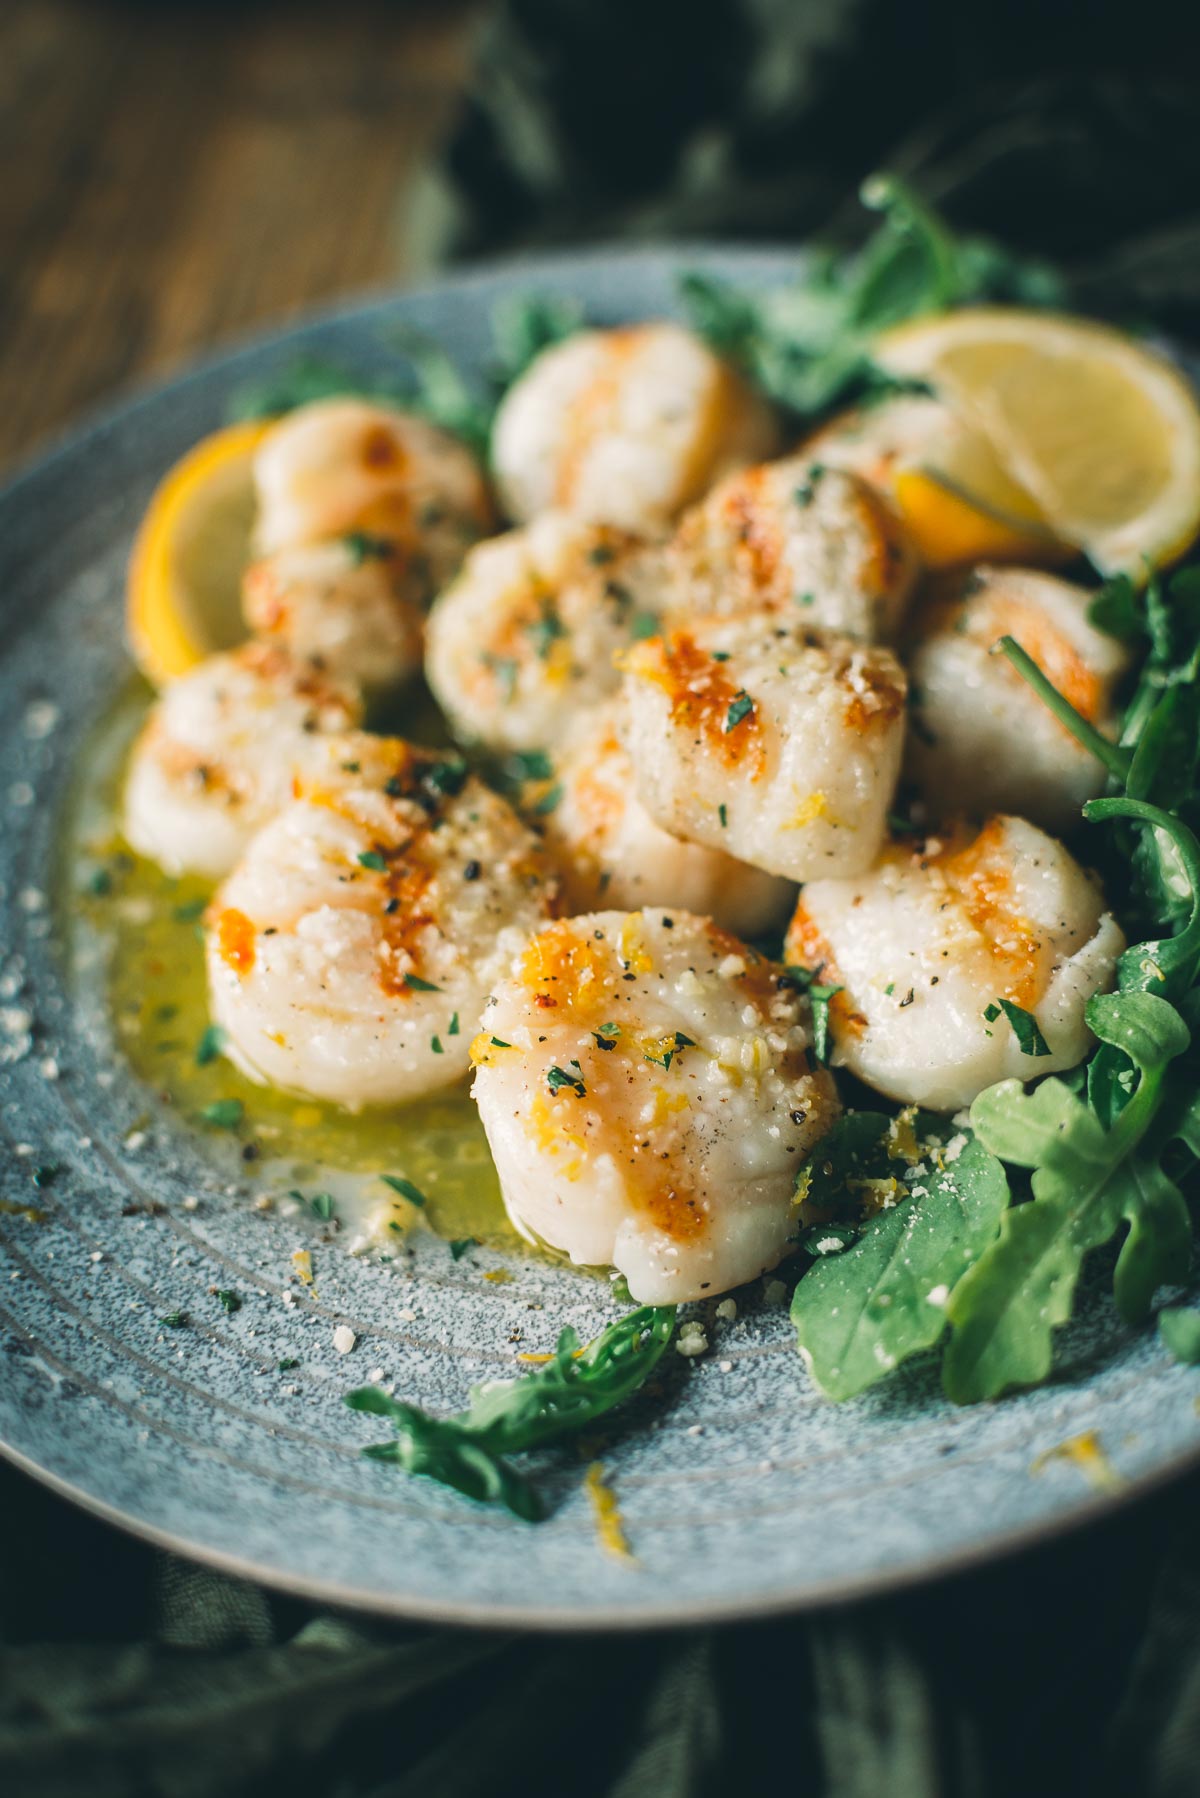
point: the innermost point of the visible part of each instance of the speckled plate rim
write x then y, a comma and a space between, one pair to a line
237, 358
1096, 1509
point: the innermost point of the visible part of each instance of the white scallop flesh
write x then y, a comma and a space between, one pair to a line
354, 610
981, 738
926, 946
525, 638
779, 744
648, 1096
351, 950
342, 467
625, 426
610, 852
217, 756
795, 537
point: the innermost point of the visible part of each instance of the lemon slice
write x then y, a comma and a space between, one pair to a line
183, 596
1103, 433
959, 502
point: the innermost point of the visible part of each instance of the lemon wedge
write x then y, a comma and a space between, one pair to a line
1102, 433
183, 596
943, 476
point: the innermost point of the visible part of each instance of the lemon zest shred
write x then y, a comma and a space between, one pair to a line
610, 1525
1086, 1453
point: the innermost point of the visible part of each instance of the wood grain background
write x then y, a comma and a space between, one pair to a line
174, 173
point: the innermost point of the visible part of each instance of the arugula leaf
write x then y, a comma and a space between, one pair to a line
1086, 1182
808, 344
505, 1417
302, 382
861, 1312
1180, 1331
525, 324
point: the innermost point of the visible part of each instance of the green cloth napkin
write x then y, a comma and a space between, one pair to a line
127, 1673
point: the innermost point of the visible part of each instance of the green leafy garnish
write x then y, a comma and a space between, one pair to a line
809, 344
405, 1188
572, 1391
371, 858
415, 984
228, 1299
1024, 1025
872, 1303
669, 1049
323, 1204
210, 1045
363, 547
459, 1246
175, 1320
226, 1114
819, 997
740, 707
548, 801
1180, 1331
557, 1078
1086, 1182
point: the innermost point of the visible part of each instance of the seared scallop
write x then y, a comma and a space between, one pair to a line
778, 744
351, 950
526, 637
959, 961
625, 427
348, 602
353, 468
800, 539
981, 739
610, 852
217, 756
648, 1094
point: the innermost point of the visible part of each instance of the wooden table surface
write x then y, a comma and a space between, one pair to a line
175, 173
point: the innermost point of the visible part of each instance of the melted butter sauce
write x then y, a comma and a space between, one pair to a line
137, 931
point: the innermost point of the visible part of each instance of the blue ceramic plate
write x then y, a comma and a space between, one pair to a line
743, 1492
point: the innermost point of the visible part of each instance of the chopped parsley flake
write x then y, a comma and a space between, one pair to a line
363, 547
447, 777
190, 911
435, 1043
530, 764
99, 882
741, 707
506, 669
548, 801
819, 997
679, 1041
371, 858
546, 630
557, 1078
415, 984
992, 1012
606, 1036
174, 1320
806, 599
226, 1114
460, 1245
287, 1364
723, 815
322, 1203
453, 1030
228, 1299
1025, 1029
405, 1188
498, 1042
644, 624
210, 1045
720, 655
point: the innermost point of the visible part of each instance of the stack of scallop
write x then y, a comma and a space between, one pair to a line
713, 672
